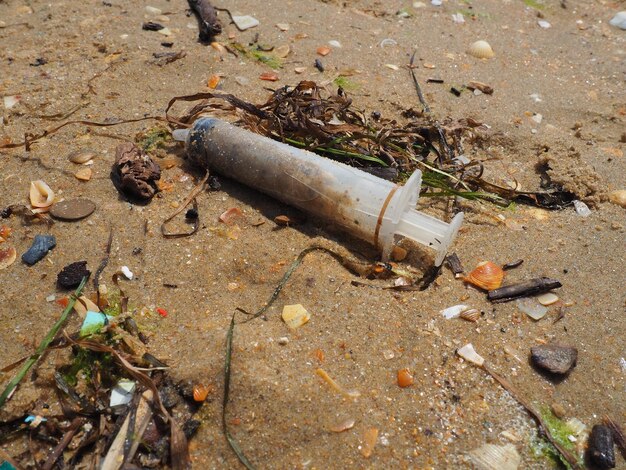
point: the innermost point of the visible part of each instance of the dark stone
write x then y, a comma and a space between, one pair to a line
169, 396
40, 247
71, 275
191, 427
191, 214
152, 26
73, 209
600, 447
554, 357
214, 183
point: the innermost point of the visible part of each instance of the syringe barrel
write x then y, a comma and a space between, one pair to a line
350, 198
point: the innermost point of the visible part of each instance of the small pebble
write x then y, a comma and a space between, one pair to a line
554, 357
558, 410
295, 315
544, 24
51, 298
283, 340
581, 208
40, 247
600, 447
618, 197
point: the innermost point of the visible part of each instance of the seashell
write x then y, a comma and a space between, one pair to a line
370, 437
82, 156
486, 275
531, 307
481, 50
84, 174
200, 392
343, 426
468, 353
40, 194
618, 197
493, 457
548, 298
470, 314
619, 20
453, 312
405, 379
7, 257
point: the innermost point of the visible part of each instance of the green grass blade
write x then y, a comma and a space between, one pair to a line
12, 385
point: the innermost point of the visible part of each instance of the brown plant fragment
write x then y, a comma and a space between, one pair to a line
135, 172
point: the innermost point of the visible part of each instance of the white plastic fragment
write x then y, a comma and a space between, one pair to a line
453, 312
51, 298
531, 307
458, 18
245, 22
122, 393
582, 209
10, 101
127, 272
468, 353
544, 24
619, 20
537, 118
493, 457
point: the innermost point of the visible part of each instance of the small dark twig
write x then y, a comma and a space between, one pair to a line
515, 291
67, 438
417, 85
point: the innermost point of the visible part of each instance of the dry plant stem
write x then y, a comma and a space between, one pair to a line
522, 289
417, 85
67, 438
7, 458
12, 385
191, 197
618, 434
103, 264
569, 458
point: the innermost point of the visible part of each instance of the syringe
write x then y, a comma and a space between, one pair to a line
364, 205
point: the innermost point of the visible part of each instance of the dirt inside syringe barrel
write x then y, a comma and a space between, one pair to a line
305, 183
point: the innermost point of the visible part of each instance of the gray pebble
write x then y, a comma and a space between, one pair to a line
554, 357
40, 247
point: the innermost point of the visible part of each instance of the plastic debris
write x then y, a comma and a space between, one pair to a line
581, 208
531, 307
127, 272
295, 315
453, 312
4, 465
619, 20
374, 209
40, 247
122, 393
245, 22
93, 322
468, 353
34, 420
493, 457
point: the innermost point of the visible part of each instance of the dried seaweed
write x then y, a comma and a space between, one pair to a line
308, 116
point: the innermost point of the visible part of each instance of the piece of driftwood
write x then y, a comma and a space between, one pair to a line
534, 286
455, 263
209, 25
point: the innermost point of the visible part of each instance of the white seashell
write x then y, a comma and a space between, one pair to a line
493, 457
458, 18
388, 42
468, 353
576, 426
548, 298
581, 208
481, 50
81, 156
392, 66
453, 312
532, 308
334, 43
153, 10
245, 22
544, 24
40, 194
619, 20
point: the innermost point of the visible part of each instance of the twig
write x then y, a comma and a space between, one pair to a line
417, 85
522, 289
103, 264
67, 438
191, 197
618, 434
569, 458
12, 385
